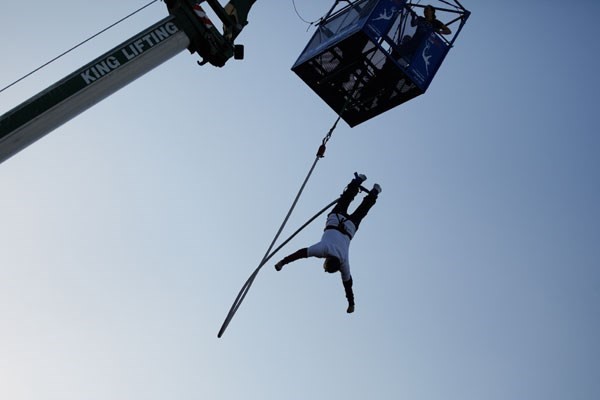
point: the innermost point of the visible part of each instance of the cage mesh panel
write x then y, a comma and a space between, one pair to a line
362, 70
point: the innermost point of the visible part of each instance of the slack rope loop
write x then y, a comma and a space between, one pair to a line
244, 291
242, 294
76, 46
266, 257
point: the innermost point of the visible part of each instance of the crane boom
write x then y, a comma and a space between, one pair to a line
87, 86
186, 27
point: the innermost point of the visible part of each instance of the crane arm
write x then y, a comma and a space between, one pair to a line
187, 26
87, 86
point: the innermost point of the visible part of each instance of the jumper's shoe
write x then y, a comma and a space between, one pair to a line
279, 265
360, 178
376, 189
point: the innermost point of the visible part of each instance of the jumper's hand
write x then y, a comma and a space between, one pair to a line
350, 309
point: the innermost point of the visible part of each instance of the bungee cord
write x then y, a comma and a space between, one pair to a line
244, 291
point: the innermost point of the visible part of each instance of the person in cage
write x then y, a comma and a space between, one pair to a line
428, 23
340, 228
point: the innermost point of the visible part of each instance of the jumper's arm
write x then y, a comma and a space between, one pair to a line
186, 27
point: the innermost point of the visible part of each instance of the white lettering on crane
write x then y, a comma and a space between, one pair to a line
99, 70
130, 51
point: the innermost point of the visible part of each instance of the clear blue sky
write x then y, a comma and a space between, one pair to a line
126, 233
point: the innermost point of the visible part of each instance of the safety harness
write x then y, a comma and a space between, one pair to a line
341, 227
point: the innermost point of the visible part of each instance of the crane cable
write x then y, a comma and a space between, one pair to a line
244, 291
76, 46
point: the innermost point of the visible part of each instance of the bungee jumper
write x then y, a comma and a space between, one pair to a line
340, 228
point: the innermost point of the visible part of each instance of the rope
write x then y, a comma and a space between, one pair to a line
309, 23
76, 46
244, 291
320, 154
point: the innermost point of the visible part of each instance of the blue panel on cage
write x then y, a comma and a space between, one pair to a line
425, 62
369, 57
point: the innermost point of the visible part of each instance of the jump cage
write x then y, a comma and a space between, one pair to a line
368, 56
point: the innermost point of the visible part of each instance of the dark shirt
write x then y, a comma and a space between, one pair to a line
424, 26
